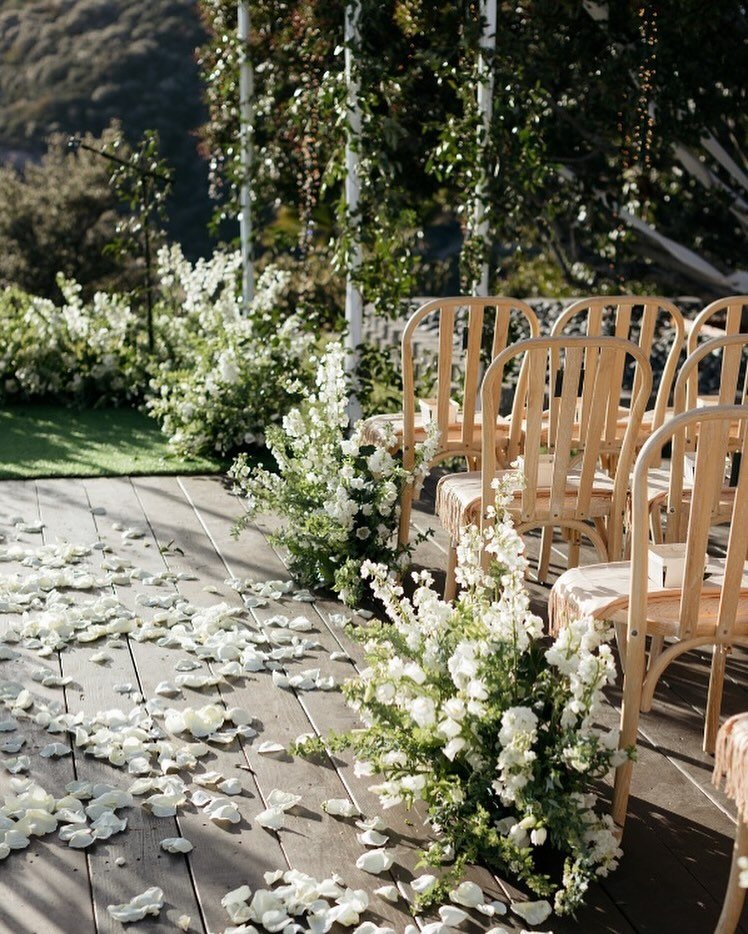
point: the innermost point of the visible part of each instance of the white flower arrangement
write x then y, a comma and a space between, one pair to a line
339, 496
468, 711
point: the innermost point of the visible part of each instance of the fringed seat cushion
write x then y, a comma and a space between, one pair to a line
458, 499
602, 591
731, 760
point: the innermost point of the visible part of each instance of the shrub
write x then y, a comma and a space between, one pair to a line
338, 496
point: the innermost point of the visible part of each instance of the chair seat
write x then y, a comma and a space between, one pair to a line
602, 591
458, 499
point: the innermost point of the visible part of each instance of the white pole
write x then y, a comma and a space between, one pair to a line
485, 102
246, 121
353, 297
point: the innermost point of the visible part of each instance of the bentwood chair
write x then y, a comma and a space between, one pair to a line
471, 332
721, 317
709, 606
568, 405
727, 359
652, 322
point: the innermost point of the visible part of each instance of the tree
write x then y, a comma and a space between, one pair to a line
594, 105
59, 215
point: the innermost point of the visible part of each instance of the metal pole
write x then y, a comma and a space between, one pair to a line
246, 124
353, 297
485, 102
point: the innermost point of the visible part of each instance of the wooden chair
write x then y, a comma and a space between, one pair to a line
703, 610
568, 405
723, 316
471, 332
732, 762
642, 318
730, 354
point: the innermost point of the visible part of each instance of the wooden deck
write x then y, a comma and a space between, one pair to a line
678, 839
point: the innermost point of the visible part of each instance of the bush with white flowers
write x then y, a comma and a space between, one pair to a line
467, 710
214, 378
226, 376
339, 497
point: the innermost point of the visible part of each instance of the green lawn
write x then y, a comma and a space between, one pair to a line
52, 441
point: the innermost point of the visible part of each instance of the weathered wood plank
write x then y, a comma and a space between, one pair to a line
66, 513
222, 859
314, 842
35, 881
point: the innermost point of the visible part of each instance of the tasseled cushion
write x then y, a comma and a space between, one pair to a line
597, 590
732, 761
458, 501
602, 591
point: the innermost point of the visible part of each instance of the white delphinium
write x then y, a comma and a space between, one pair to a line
467, 710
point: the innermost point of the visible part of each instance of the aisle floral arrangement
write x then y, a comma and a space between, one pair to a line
467, 711
338, 497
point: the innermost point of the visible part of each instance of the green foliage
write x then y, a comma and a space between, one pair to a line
590, 103
74, 352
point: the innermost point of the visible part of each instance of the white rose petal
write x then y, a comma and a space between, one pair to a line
372, 838
183, 922
368, 927
176, 845
375, 861
532, 913
18, 764
283, 800
270, 749
340, 807
271, 819
468, 894
388, 893
55, 751
423, 883
149, 902
452, 916
222, 810
167, 689
80, 839
231, 786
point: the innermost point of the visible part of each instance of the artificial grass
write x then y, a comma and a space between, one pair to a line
38, 440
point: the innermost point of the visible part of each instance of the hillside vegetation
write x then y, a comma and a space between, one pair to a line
73, 66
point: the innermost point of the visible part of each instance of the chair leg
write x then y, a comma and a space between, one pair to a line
406, 508
544, 556
714, 699
656, 645
575, 542
450, 584
632, 689
732, 906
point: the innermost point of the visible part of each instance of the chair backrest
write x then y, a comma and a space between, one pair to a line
730, 354
568, 405
471, 332
646, 319
712, 426
724, 315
